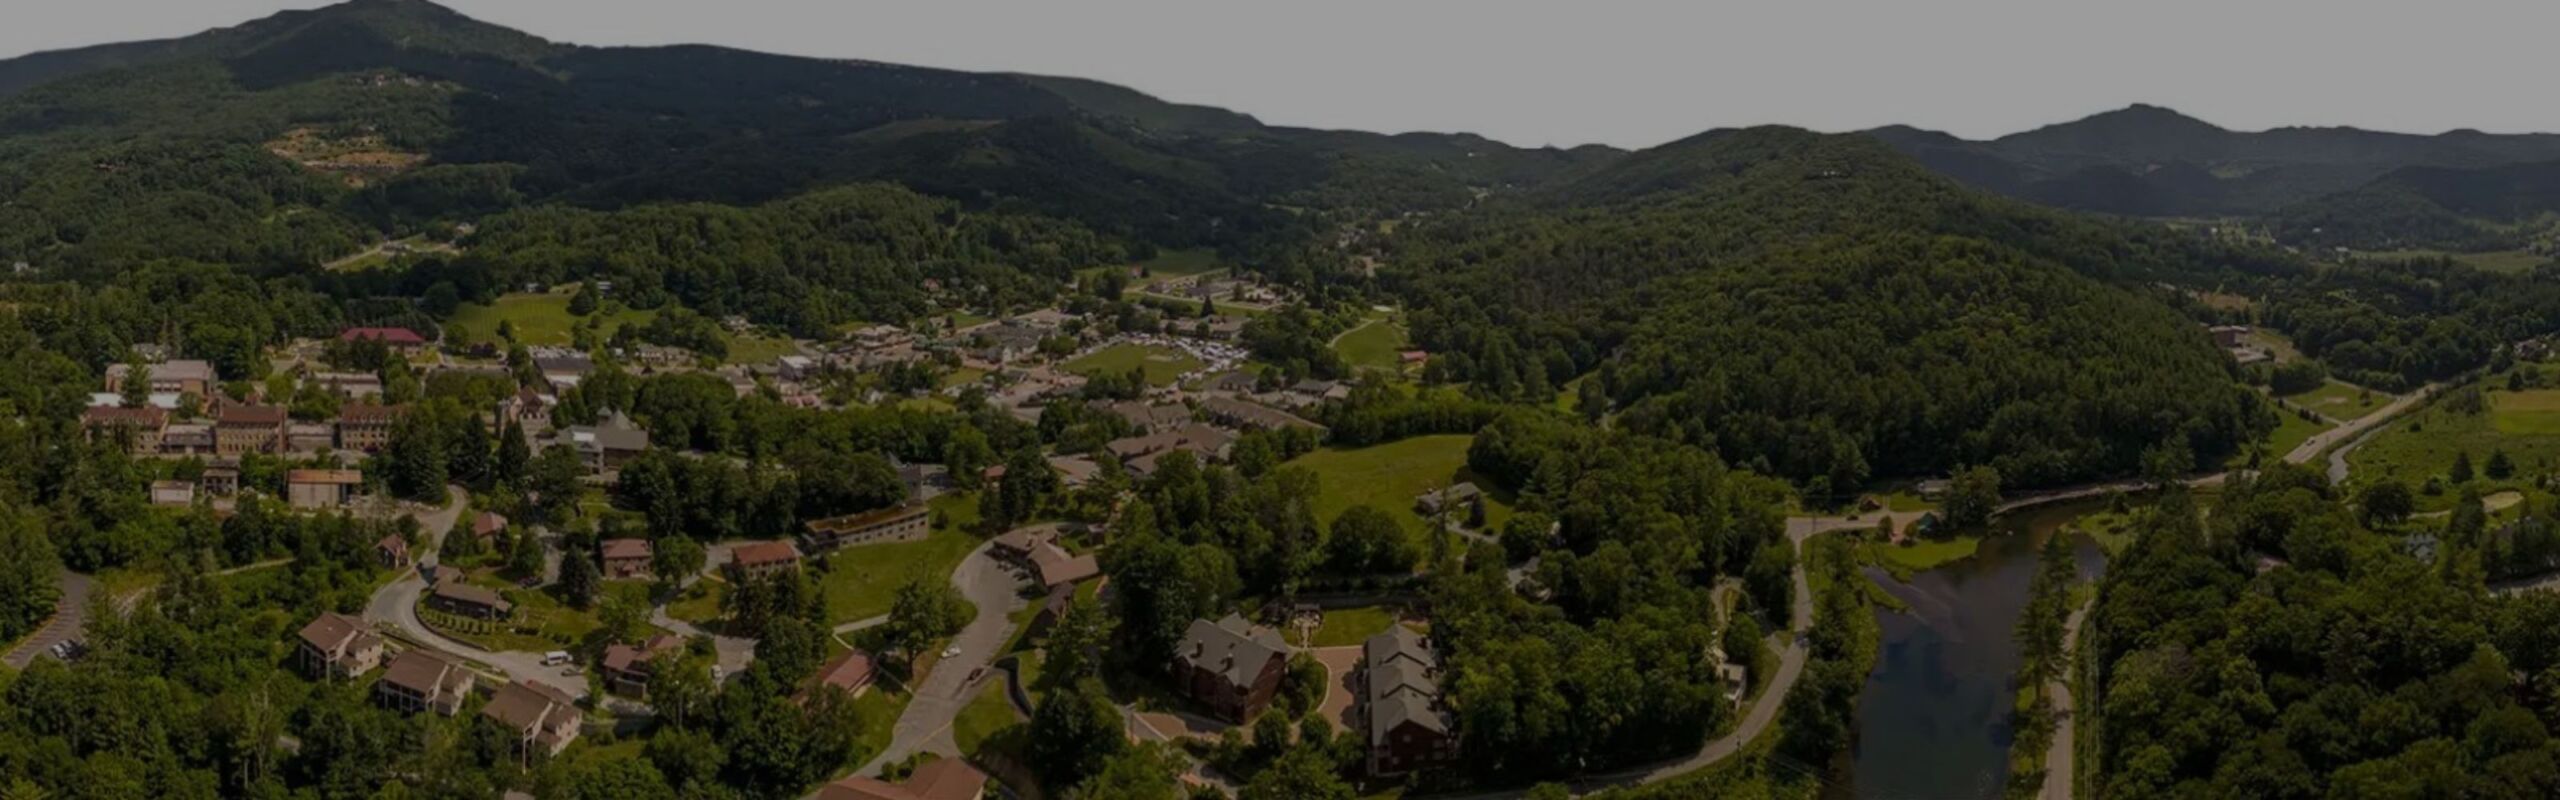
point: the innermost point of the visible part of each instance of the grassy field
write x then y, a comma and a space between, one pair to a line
1163, 364
1350, 626
2291, 431
2512, 262
2343, 401
700, 603
1921, 554
539, 319
1389, 476
861, 581
2276, 343
544, 319
985, 714
758, 348
1178, 263
879, 710
2525, 425
1377, 345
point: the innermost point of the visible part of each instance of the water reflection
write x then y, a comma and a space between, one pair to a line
1933, 719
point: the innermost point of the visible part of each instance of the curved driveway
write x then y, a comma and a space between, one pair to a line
926, 724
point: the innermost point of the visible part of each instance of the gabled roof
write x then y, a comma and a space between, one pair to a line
757, 554
369, 414
474, 595
524, 704
1399, 643
330, 477
1402, 708
248, 414
335, 633
617, 549
384, 335
1233, 649
423, 671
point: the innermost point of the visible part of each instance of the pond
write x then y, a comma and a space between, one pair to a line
1933, 718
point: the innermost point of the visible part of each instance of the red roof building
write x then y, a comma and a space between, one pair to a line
396, 337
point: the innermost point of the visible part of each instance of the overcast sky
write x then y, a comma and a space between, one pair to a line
1625, 73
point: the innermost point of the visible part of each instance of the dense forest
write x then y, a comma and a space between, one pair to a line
2355, 665
1819, 308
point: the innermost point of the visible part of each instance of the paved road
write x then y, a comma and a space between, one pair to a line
396, 605
732, 653
926, 724
2058, 754
70, 618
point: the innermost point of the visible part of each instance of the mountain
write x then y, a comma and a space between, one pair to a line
301, 110
1822, 308
2146, 160
2443, 208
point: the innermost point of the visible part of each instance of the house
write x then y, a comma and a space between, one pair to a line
401, 339
610, 444
421, 680
486, 526
761, 559
541, 718
392, 552
183, 376
336, 646
321, 488
309, 437
1075, 472
852, 671
1055, 567
626, 559
249, 428
463, 599
188, 439
367, 428
1412, 358
1208, 442
626, 668
1313, 392
1240, 414
141, 429
2228, 336
1150, 418
1407, 725
882, 337
1230, 666
1017, 545
904, 523
939, 779
526, 407
563, 369
173, 493
1449, 499
219, 481
357, 386
1237, 382
1135, 446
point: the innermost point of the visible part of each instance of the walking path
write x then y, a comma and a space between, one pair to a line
2058, 753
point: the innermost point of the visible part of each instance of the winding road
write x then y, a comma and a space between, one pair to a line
396, 605
925, 726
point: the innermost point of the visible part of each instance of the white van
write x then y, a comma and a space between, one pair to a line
556, 658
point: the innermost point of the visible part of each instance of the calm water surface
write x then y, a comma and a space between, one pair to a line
1933, 720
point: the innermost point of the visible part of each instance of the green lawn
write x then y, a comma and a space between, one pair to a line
1163, 364
2423, 445
700, 603
2533, 412
2291, 431
861, 581
2512, 262
1920, 553
755, 348
962, 376
2343, 401
878, 710
1389, 476
1569, 396
539, 319
986, 714
1350, 626
1378, 344
1178, 263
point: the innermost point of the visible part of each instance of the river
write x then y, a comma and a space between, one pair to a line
1933, 719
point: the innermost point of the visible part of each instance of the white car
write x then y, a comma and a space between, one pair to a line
951, 652
556, 658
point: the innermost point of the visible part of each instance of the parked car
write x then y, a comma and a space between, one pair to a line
556, 658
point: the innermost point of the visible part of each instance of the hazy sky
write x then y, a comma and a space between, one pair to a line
1624, 73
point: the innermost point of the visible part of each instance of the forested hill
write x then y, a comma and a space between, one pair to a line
2430, 208
2150, 161
266, 135
1826, 310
